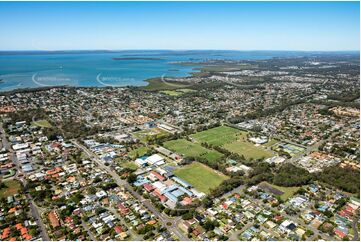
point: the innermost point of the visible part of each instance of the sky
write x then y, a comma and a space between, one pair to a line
322, 26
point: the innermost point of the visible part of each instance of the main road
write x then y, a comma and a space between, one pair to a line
169, 223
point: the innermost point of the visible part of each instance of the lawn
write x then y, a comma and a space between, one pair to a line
12, 187
156, 84
172, 93
248, 150
217, 136
177, 92
287, 191
144, 135
189, 149
233, 140
201, 177
138, 152
42, 123
129, 165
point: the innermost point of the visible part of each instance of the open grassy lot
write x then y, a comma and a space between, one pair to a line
287, 192
156, 84
138, 152
129, 165
11, 187
217, 136
145, 135
172, 93
42, 123
178, 92
248, 150
189, 149
201, 177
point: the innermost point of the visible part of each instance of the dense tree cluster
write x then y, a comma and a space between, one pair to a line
227, 186
289, 175
346, 179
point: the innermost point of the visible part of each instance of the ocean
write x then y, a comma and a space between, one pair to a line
32, 69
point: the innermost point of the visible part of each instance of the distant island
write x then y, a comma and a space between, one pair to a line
136, 58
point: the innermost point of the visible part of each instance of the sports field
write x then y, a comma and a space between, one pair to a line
42, 123
248, 150
233, 140
189, 149
217, 136
201, 177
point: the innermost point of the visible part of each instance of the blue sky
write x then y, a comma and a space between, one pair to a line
180, 25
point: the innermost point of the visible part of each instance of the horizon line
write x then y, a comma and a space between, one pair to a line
156, 49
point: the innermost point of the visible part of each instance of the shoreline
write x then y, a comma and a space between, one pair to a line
152, 84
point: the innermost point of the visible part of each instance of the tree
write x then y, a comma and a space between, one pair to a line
207, 202
132, 178
187, 216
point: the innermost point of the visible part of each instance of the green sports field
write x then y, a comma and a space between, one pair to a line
201, 177
248, 150
217, 136
235, 141
189, 149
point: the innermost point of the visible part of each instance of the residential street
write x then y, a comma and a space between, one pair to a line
170, 223
33, 207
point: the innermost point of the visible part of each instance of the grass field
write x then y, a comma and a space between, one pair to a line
178, 92
287, 191
189, 149
138, 152
233, 140
248, 150
217, 136
144, 135
156, 84
201, 177
42, 123
172, 93
12, 187
129, 165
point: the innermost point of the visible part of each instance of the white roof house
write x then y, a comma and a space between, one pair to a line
155, 159
20, 146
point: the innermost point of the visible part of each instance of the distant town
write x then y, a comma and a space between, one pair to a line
240, 150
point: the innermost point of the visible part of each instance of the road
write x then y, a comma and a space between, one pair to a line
5, 141
169, 223
235, 190
90, 234
134, 236
34, 209
35, 213
355, 222
235, 234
